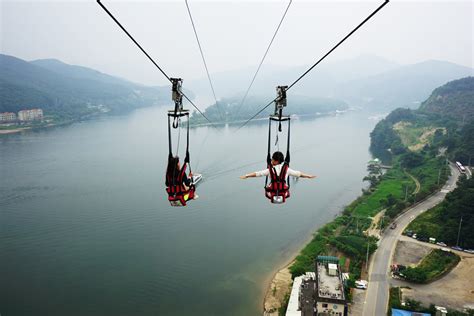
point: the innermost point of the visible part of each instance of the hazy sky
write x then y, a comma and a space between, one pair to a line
233, 34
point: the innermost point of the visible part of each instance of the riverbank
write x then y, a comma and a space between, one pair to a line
347, 235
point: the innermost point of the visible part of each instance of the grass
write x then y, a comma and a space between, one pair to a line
392, 185
428, 173
428, 223
434, 265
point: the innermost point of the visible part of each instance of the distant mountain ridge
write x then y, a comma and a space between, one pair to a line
405, 86
367, 81
69, 91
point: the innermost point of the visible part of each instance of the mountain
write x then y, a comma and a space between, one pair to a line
405, 86
368, 81
444, 120
321, 82
454, 99
69, 91
77, 72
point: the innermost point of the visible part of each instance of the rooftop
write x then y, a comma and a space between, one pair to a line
301, 295
329, 286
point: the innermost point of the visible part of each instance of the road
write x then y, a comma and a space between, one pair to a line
377, 295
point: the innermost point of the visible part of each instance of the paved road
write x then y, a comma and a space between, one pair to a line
378, 290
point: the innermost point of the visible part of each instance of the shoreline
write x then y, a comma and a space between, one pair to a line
281, 272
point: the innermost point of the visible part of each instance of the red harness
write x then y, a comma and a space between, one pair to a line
278, 185
176, 189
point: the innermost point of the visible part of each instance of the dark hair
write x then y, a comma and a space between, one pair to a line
172, 171
278, 156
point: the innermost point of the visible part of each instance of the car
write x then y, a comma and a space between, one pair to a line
442, 244
423, 238
413, 236
457, 248
469, 251
393, 226
445, 249
361, 284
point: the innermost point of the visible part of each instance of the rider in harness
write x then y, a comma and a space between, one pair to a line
179, 186
278, 170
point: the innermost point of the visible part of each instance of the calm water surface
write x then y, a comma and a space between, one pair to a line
86, 228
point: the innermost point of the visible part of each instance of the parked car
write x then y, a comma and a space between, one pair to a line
409, 233
457, 248
393, 226
432, 240
442, 244
469, 250
423, 238
445, 249
361, 284
413, 236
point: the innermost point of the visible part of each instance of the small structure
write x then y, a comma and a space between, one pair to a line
401, 312
332, 269
7, 117
30, 115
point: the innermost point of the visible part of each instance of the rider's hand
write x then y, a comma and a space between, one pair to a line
243, 177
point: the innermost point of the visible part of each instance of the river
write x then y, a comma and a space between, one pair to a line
86, 228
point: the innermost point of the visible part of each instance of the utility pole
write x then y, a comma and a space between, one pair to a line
439, 175
367, 258
459, 232
406, 192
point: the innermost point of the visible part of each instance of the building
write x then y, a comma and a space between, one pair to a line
302, 296
7, 117
319, 293
30, 115
400, 312
329, 295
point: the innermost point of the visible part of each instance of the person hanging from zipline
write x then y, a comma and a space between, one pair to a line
179, 186
278, 171
278, 165
178, 183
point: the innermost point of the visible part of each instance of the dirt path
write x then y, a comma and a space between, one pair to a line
373, 230
417, 183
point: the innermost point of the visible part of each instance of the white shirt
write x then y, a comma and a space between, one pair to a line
290, 172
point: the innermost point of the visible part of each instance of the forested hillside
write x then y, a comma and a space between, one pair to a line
69, 91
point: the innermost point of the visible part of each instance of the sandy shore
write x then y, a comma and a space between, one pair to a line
278, 288
280, 282
12, 131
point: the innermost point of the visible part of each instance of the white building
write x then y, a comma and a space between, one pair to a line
30, 115
330, 297
7, 117
319, 293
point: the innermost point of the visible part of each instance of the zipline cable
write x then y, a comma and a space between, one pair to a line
263, 59
321, 59
147, 55
203, 59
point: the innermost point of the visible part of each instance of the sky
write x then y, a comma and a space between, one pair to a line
233, 34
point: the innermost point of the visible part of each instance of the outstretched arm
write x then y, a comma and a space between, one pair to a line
249, 175
307, 176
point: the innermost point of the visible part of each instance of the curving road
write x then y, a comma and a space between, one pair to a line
378, 290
